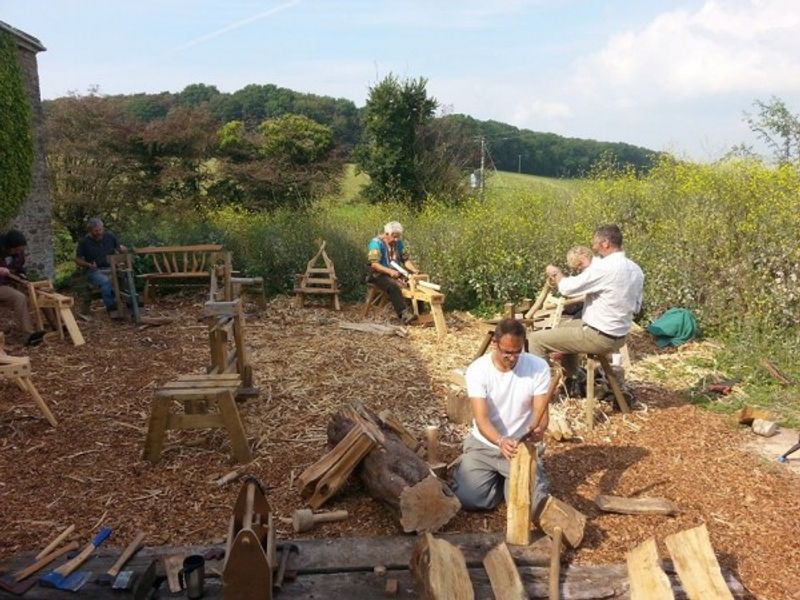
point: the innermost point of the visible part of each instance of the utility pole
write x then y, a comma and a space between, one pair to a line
519, 163
483, 153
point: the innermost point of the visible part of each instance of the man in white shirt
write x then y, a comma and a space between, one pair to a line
613, 290
507, 389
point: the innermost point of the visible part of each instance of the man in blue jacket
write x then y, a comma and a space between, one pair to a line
384, 249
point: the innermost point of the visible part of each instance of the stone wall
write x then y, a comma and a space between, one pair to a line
35, 216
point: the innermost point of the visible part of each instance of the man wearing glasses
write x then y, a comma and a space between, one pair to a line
507, 389
384, 249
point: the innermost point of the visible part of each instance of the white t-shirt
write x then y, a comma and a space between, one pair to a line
613, 288
508, 394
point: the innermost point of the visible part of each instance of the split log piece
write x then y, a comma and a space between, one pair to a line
647, 578
503, 574
400, 479
389, 421
765, 428
521, 483
458, 407
440, 570
748, 414
432, 444
557, 513
636, 506
305, 520
392, 585
696, 564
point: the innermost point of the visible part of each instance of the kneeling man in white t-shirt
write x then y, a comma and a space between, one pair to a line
507, 389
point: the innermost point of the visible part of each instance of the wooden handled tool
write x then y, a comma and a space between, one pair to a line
54, 544
555, 564
126, 555
44, 561
70, 566
304, 519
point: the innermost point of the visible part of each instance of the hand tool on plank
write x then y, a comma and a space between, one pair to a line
15, 583
113, 574
63, 578
54, 544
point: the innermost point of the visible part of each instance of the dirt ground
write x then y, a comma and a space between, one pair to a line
89, 470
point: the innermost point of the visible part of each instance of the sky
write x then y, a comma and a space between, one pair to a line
671, 75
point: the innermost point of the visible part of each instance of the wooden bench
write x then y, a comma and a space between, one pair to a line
174, 264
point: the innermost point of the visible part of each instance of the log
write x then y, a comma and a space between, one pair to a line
503, 574
440, 570
636, 506
748, 414
557, 513
396, 476
648, 580
522, 482
697, 565
764, 427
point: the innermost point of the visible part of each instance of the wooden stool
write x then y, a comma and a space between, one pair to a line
591, 365
250, 285
197, 393
18, 370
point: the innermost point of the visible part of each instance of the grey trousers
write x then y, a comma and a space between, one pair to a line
481, 479
571, 337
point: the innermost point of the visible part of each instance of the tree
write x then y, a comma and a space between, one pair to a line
16, 143
288, 161
390, 152
778, 128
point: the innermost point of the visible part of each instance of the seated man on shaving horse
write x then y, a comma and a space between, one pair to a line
612, 286
382, 251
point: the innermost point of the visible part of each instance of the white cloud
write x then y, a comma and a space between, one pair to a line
744, 46
537, 110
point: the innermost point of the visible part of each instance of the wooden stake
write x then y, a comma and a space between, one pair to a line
555, 565
503, 574
648, 581
522, 481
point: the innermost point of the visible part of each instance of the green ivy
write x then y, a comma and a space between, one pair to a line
16, 143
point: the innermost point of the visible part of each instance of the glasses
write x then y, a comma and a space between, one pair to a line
510, 353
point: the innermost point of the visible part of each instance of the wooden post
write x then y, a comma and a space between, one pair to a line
522, 481
555, 565
432, 444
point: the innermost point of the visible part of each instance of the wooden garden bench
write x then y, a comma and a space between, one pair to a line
173, 264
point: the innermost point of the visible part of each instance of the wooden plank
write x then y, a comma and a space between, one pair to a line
503, 575
230, 384
697, 565
521, 483
72, 327
222, 377
648, 580
636, 506
173, 275
192, 393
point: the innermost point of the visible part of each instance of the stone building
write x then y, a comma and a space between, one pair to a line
35, 216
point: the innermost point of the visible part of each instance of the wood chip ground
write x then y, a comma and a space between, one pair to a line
89, 471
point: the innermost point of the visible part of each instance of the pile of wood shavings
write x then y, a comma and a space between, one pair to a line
89, 471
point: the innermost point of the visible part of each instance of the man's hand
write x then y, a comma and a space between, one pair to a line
508, 447
536, 430
123, 249
4, 272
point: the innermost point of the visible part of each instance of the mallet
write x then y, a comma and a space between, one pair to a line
305, 520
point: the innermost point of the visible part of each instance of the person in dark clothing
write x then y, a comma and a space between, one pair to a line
12, 257
92, 255
382, 251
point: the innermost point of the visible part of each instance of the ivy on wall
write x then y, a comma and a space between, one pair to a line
16, 142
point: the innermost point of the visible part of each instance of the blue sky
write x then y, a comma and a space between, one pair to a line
670, 75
